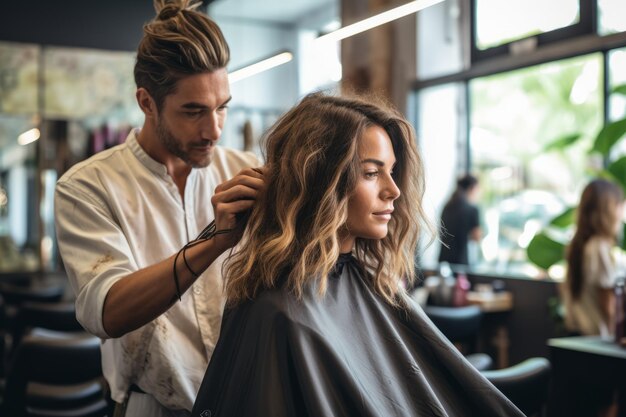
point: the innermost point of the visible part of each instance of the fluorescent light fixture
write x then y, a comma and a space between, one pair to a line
377, 20
264, 65
29, 136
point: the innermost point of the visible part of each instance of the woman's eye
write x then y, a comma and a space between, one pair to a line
371, 174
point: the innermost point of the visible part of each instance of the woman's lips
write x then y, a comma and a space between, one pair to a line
385, 214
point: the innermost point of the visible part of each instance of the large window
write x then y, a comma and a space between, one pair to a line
440, 124
542, 81
617, 102
617, 77
516, 117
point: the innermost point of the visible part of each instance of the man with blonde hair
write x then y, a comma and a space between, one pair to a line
124, 215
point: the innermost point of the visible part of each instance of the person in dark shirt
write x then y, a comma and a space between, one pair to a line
460, 222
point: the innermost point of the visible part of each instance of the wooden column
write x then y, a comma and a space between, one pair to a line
382, 60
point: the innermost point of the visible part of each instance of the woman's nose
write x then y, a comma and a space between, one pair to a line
391, 190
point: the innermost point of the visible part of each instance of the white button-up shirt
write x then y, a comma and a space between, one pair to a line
118, 212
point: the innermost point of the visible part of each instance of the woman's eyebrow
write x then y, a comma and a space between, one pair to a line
373, 161
377, 162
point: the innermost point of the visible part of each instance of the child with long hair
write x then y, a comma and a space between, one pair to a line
316, 323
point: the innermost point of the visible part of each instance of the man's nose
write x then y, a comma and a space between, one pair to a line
212, 128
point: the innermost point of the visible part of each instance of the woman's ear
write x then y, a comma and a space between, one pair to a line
146, 103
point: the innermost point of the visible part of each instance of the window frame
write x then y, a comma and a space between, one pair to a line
587, 24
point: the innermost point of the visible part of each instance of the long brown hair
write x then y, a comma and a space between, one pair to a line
312, 167
179, 42
597, 215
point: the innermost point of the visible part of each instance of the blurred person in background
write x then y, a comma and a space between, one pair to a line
460, 222
594, 264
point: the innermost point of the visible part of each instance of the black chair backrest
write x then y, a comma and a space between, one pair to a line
53, 316
18, 294
459, 324
525, 384
62, 361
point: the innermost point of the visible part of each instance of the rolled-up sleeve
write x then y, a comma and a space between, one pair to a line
95, 252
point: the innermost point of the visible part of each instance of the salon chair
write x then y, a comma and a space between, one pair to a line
15, 295
525, 384
59, 316
54, 374
39, 318
461, 325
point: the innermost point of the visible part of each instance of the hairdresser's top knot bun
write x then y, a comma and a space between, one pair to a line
168, 11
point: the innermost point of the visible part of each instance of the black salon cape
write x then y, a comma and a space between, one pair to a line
347, 354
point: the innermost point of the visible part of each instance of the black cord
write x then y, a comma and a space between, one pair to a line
207, 233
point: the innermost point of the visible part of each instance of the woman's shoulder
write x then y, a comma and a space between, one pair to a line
599, 244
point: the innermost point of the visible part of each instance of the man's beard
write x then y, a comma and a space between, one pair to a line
174, 146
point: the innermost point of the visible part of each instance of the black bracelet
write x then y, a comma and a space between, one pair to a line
209, 232
178, 294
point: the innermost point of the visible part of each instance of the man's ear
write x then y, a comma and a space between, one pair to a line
146, 103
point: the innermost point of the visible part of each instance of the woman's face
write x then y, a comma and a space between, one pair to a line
370, 207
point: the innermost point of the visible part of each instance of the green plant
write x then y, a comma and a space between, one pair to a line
548, 246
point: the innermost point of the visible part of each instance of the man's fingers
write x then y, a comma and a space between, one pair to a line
249, 177
234, 207
238, 192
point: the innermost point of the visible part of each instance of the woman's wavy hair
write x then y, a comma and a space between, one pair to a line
179, 42
312, 168
597, 215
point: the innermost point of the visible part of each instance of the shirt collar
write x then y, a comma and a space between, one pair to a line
150, 163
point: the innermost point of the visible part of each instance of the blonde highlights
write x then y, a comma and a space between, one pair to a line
179, 42
312, 169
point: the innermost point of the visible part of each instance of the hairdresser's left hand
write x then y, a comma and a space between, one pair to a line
232, 200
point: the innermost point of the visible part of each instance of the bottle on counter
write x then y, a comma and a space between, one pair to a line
461, 288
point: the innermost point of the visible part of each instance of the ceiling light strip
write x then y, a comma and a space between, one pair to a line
28, 137
260, 66
377, 20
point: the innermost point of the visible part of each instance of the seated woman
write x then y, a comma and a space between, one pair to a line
317, 323
594, 264
593, 261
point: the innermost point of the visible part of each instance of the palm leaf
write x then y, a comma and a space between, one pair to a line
564, 219
618, 171
544, 251
563, 142
620, 89
608, 136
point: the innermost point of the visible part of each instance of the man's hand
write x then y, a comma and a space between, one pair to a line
232, 200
